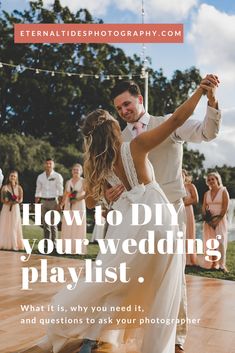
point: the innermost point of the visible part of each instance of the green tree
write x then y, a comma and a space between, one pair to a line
53, 107
27, 154
167, 94
193, 161
42, 115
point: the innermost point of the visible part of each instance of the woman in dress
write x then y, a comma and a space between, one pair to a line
154, 280
11, 237
214, 209
74, 199
190, 200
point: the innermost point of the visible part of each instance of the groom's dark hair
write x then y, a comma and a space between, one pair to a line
124, 86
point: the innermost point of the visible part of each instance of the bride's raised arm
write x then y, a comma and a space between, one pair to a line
150, 139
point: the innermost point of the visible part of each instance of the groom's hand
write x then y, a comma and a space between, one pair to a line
112, 194
209, 85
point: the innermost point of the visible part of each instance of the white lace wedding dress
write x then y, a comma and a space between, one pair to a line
159, 295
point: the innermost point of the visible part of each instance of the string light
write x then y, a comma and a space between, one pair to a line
22, 68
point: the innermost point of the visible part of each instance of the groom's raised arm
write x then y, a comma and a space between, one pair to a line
198, 131
208, 129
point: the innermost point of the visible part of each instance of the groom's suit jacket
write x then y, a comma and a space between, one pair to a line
167, 157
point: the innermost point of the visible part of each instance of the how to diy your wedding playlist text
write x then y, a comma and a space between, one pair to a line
160, 239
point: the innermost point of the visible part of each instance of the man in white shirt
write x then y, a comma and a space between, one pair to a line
1, 177
167, 157
49, 191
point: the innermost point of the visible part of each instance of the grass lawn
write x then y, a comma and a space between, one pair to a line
35, 232
230, 263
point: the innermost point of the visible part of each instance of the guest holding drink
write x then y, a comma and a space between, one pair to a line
11, 237
74, 200
215, 206
189, 200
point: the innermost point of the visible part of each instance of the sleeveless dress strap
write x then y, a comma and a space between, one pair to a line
128, 164
113, 179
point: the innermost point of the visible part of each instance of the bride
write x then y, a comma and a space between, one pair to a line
153, 292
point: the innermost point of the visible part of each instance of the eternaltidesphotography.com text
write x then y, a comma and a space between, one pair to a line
149, 245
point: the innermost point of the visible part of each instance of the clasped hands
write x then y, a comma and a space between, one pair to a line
209, 85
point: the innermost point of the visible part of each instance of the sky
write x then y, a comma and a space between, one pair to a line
209, 45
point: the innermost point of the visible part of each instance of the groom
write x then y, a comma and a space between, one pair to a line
167, 157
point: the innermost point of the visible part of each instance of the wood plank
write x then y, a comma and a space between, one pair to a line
211, 301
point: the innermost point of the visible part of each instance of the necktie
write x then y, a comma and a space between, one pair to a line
138, 127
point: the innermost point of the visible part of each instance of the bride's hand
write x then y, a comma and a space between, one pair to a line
112, 194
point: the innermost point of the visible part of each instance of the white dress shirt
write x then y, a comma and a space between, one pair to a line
144, 120
192, 130
49, 186
1, 177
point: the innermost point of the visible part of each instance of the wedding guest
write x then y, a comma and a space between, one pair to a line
1, 177
11, 236
214, 209
74, 199
154, 282
49, 191
167, 157
190, 200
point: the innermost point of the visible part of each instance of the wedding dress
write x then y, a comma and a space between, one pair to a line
74, 231
11, 234
158, 297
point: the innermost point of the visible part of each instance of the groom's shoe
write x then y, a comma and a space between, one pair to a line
87, 346
179, 348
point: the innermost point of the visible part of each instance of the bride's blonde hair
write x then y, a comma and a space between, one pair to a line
101, 134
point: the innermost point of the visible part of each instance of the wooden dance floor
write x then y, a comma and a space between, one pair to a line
211, 301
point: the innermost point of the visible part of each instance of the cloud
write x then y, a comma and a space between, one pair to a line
213, 36
95, 7
221, 150
161, 10
229, 118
